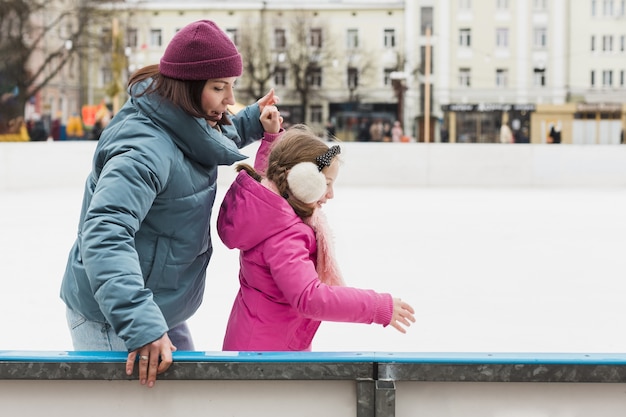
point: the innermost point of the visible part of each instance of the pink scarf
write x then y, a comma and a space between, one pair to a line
327, 268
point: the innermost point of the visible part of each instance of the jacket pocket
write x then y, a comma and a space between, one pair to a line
75, 319
156, 270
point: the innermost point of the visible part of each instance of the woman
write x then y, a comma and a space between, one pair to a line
137, 269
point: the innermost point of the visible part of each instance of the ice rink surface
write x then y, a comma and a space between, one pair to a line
487, 269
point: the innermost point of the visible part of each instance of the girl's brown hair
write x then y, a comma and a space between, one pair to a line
186, 94
297, 144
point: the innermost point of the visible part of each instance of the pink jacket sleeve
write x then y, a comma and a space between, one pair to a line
294, 273
262, 155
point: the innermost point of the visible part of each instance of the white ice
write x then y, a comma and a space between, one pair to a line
487, 269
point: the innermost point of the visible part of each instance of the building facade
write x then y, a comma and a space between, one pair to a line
540, 71
475, 71
355, 47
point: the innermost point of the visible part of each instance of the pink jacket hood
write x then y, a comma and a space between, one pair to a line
247, 205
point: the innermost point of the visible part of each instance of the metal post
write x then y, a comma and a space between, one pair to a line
365, 398
385, 398
427, 89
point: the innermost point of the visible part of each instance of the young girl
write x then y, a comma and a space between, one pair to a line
289, 281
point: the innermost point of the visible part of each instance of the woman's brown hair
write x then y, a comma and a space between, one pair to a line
184, 93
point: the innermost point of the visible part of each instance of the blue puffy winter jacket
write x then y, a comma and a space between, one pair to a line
139, 261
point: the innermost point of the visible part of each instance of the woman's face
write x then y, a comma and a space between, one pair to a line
217, 95
330, 172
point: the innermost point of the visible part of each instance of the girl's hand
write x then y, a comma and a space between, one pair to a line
402, 315
271, 119
270, 99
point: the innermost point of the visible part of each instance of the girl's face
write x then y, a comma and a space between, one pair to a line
217, 95
330, 172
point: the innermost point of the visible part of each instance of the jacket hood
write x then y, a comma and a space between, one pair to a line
247, 205
193, 136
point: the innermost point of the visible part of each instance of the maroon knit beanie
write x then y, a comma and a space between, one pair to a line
201, 51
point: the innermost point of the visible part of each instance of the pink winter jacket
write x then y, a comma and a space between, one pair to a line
281, 302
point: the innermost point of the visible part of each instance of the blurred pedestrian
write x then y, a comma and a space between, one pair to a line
554, 136
387, 132
506, 135
397, 132
74, 128
363, 132
331, 131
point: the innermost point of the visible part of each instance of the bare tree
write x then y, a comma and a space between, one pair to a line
308, 52
259, 65
361, 64
37, 39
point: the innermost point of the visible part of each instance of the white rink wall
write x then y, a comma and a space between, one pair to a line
59, 164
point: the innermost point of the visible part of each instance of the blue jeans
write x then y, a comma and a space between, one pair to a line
94, 335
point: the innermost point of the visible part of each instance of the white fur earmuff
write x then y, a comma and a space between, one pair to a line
306, 182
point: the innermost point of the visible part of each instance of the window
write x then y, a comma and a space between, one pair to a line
426, 19
607, 43
106, 76
607, 7
389, 38
106, 40
280, 39
540, 37
593, 78
502, 4
316, 113
352, 39
539, 77
315, 38
465, 5
280, 77
422, 66
502, 77
593, 43
315, 76
232, 34
132, 39
539, 5
622, 43
607, 78
622, 81
502, 38
465, 37
593, 7
353, 78
465, 76
156, 38
387, 76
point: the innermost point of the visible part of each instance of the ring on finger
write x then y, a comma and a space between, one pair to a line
144, 357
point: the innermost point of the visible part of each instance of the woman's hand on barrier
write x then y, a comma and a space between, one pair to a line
403, 315
154, 358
